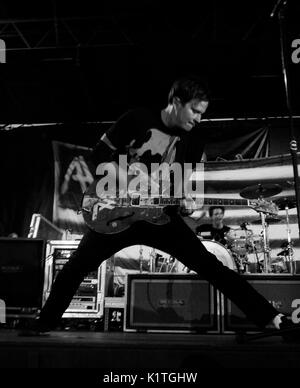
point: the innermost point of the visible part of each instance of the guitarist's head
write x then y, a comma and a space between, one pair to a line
187, 102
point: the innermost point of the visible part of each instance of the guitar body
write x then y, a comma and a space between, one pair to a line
113, 215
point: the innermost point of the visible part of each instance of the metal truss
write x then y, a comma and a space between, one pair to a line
62, 33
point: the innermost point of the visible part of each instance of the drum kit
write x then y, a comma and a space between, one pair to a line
242, 242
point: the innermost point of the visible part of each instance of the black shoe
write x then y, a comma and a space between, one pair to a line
289, 330
34, 329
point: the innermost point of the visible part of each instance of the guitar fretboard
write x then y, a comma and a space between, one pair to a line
161, 201
225, 202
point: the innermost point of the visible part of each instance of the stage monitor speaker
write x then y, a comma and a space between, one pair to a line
282, 291
170, 302
21, 274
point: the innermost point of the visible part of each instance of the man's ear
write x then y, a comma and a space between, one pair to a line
176, 101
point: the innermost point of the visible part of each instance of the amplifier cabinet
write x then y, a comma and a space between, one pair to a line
170, 302
89, 298
283, 291
21, 275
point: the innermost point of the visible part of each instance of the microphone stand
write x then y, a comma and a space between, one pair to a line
279, 9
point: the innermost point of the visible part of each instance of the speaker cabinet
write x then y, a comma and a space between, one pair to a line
283, 291
21, 275
170, 302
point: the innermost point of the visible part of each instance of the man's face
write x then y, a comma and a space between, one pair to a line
217, 216
189, 114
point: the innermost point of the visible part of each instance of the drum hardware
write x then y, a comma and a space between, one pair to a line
239, 242
152, 257
267, 211
285, 250
242, 263
141, 258
287, 203
167, 265
256, 247
265, 221
172, 261
160, 263
266, 246
279, 265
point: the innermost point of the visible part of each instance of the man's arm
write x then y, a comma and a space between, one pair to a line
116, 139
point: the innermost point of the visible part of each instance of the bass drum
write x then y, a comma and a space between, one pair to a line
217, 249
221, 253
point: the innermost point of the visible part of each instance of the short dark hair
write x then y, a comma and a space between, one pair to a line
189, 88
212, 208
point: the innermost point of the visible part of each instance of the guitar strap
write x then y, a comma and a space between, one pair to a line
169, 157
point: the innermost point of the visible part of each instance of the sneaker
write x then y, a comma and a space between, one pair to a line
289, 330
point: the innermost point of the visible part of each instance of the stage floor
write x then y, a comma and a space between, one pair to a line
155, 351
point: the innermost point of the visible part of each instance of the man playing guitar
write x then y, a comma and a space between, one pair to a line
145, 137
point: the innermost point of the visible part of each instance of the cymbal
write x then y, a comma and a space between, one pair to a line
269, 220
289, 202
265, 190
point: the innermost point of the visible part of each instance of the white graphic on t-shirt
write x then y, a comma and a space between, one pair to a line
159, 148
159, 143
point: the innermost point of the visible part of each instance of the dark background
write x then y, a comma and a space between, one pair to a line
85, 63
93, 60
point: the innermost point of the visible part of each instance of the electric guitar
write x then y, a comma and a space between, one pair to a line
109, 215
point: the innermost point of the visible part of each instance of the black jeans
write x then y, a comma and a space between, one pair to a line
175, 238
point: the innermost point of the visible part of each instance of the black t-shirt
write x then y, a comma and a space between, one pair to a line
207, 231
142, 136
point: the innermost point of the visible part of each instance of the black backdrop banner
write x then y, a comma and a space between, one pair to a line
27, 185
27, 170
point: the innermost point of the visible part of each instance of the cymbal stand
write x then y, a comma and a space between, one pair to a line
258, 264
267, 257
152, 260
164, 263
290, 245
141, 259
172, 261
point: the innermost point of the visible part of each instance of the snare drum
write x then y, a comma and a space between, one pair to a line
234, 234
240, 246
238, 240
221, 253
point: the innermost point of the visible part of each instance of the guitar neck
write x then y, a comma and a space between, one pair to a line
225, 202
162, 201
